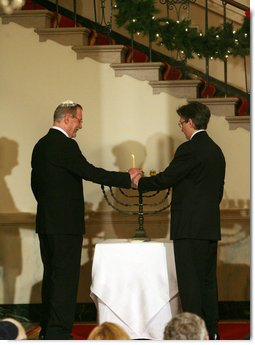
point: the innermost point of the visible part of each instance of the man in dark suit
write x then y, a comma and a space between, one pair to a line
196, 175
58, 168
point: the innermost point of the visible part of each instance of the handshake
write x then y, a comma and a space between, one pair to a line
135, 175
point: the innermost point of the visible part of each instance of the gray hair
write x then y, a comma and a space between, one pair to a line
67, 107
186, 326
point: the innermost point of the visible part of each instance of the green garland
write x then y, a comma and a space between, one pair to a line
138, 16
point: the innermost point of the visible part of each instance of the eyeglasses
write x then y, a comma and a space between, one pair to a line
180, 124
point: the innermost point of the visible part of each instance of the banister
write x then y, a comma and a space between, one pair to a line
155, 55
237, 5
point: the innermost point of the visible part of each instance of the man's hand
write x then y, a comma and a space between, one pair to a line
135, 175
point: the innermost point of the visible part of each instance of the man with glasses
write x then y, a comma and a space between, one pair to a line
58, 168
196, 175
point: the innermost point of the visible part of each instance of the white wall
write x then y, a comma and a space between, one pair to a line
120, 114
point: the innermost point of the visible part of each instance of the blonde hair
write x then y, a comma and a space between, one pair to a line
108, 331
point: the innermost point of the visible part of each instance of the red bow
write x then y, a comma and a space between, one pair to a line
247, 13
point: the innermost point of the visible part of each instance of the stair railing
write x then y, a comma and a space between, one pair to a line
173, 8
243, 8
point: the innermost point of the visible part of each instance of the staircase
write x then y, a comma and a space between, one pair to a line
81, 40
29, 118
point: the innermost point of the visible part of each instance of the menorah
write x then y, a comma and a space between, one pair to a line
140, 233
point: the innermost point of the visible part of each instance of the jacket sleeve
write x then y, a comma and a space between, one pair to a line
179, 167
73, 160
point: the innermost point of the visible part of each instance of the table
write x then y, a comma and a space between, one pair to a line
134, 284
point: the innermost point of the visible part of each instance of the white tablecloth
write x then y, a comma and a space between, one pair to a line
134, 284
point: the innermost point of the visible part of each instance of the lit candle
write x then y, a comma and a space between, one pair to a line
133, 160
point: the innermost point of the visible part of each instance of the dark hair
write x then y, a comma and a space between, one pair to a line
66, 108
8, 330
198, 112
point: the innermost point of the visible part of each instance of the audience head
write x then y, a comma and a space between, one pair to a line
11, 329
186, 326
108, 331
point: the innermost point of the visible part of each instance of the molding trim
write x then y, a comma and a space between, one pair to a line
66, 36
102, 53
238, 121
139, 70
177, 88
26, 218
29, 18
220, 106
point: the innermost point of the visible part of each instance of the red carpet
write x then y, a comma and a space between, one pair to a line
82, 331
236, 330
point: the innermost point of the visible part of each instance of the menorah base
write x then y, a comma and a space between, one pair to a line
137, 239
140, 236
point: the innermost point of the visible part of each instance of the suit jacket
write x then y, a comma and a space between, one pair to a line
196, 175
58, 168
